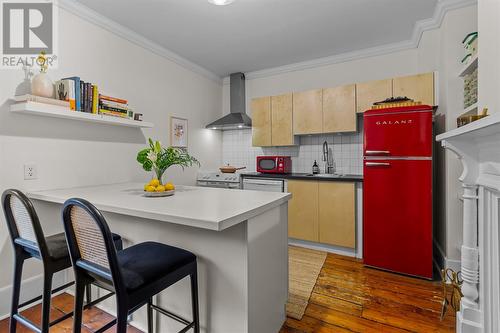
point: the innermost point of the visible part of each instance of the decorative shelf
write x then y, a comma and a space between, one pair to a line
469, 68
470, 111
483, 127
55, 111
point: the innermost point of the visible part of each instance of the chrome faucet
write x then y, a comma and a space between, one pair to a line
328, 159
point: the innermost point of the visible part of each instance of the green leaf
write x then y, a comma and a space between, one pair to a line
147, 165
142, 156
166, 157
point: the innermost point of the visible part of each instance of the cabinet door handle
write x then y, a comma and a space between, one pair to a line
368, 164
377, 152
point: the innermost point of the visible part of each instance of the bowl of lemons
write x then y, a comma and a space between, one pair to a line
155, 189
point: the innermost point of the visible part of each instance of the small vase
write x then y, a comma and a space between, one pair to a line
158, 175
42, 85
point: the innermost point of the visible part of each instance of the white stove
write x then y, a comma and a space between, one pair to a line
219, 179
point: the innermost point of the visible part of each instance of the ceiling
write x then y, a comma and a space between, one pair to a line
251, 35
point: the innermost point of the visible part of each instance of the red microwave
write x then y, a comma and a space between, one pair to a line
274, 164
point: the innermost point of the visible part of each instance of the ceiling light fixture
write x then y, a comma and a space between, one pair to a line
220, 2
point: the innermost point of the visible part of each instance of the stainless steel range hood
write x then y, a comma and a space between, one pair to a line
237, 118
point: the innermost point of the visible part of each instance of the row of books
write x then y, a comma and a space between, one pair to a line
84, 97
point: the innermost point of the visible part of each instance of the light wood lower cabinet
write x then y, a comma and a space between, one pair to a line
303, 210
337, 212
261, 121
308, 112
322, 211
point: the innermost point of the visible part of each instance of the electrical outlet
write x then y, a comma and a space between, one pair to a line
30, 172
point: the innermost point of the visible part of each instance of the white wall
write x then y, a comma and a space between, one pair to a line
69, 153
439, 50
455, 26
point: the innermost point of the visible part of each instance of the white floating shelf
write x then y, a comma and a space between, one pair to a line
470, 67
55, 111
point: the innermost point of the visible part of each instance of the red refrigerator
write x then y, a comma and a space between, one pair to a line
397, 190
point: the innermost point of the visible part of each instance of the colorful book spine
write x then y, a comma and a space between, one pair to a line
113, 113
88, 91
95, 99
65, 91
82, 95
113, 99
113, 104
78, 101
107, 108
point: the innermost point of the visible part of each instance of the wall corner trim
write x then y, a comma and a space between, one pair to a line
98, 19
443, 262
442, 7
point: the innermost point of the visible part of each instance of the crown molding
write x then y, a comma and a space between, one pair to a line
100, 20
442, 7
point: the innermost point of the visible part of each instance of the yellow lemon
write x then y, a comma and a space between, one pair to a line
169, 187
160, 188
154, 182
150, 188
146, 187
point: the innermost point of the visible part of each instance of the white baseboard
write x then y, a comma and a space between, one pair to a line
442, 261
344, 251
30, 288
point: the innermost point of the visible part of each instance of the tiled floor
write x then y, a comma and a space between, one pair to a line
93, 318
347, 298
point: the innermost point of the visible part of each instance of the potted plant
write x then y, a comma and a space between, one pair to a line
158, 159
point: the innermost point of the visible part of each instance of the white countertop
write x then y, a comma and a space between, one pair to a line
201, 207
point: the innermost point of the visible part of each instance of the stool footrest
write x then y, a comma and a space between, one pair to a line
58, 289
174, 317
94, 302
26, 322
32, 326
107, 326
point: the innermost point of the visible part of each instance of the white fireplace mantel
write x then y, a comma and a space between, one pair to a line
477, 145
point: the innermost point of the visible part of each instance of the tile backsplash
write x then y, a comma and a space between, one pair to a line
347, 151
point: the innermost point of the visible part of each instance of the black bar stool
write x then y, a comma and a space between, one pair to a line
29, 241
135, 274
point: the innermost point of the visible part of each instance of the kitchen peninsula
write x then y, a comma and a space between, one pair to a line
240, 238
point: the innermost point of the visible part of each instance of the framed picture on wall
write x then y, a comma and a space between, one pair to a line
178, 132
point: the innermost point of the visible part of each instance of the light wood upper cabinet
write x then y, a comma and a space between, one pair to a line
337, 212
308, 112
419, 87
370, 92
303, 210
261, 121
282, 120
339, 109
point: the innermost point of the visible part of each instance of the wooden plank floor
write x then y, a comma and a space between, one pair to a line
348, 297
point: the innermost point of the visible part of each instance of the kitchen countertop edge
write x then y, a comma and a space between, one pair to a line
302, 176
